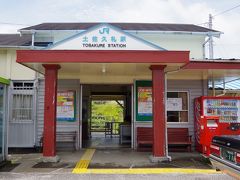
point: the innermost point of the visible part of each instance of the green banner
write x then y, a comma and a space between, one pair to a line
143, 92
4, 81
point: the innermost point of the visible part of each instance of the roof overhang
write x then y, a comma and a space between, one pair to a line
213, 65
102, 66
214, 69
214, 34
98, 56
114, 66
15, 47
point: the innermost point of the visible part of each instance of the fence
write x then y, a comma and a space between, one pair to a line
105, 125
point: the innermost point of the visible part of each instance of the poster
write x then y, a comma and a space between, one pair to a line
66, 106
145, 101
174, 104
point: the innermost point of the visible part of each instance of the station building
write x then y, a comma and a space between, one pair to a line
157, 70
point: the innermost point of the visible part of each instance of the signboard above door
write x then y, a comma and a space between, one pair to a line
104, 37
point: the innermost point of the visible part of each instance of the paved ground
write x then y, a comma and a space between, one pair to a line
125, 158
70, 176
109, 164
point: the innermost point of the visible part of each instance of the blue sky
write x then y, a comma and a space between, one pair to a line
31, 12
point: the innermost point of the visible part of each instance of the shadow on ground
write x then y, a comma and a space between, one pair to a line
8, 166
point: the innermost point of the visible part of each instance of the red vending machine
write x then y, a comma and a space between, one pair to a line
215, 116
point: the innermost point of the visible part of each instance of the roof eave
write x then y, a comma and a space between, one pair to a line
10, 46
45, 31
216, 60
213, 33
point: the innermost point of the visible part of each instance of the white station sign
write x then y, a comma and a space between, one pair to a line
104, 37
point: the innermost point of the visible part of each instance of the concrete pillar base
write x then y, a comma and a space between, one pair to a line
154, 159
52, 159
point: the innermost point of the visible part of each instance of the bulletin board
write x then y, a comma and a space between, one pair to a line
66, 106
143, 100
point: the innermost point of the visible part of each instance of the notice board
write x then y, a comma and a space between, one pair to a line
143, 100
174, 104
66, 105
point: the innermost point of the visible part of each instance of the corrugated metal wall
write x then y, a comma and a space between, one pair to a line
61, 126
195, 88
40, 111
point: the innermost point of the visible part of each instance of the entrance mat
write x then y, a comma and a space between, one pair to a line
191, 162
53, 165
7, 166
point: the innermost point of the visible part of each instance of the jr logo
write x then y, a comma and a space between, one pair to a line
104, 30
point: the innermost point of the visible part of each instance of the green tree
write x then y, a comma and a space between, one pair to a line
106, 111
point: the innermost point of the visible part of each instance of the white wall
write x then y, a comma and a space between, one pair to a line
184, 42
192, 43
10, 69
3, 64
53, 36
72, 84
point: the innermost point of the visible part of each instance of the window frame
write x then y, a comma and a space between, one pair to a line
22, 90
12, 120
188, 105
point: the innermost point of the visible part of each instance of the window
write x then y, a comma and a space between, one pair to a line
22, 101
23, 85
22, 107
177, 110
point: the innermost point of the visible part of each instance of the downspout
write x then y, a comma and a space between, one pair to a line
33, 32
223, 94
224, 89
203, 46
177, 70
166, 134
173, 71
165, 99
213, 86
33, 38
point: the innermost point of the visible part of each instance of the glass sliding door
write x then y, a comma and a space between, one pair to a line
1, 120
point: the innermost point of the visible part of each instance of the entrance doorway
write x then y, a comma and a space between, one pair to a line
106, 116
22, 114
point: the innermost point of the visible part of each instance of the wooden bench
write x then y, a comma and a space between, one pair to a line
144, 138
67, 137
64, 137
177, 138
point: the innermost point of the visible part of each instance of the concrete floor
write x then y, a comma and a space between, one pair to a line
126, 158
70, 176
114, 158
29, 166
99, 140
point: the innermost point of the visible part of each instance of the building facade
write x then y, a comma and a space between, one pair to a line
94, 59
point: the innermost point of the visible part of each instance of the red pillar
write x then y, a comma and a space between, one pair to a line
50, 102
159, 121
